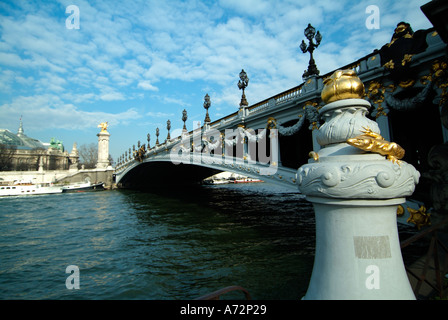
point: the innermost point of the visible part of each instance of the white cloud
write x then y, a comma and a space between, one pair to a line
112, 96
159, 114
146, 85
53, 112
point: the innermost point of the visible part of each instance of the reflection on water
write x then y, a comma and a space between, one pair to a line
157, 244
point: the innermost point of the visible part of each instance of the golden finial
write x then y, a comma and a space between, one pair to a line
103, 126
342, 84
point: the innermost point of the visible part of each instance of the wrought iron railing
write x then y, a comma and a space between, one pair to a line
435, 267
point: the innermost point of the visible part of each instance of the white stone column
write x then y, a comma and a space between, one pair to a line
355, 195
103, 150
275, 148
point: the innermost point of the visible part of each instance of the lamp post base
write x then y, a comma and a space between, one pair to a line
358, 253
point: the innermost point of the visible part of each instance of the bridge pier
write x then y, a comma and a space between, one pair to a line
355, 195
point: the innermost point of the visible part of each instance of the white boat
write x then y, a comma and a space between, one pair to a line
27, 188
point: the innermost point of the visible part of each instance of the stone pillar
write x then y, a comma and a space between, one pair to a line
73, 158
103, 149
275, 148
355, 192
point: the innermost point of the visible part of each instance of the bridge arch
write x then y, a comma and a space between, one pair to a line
163, 172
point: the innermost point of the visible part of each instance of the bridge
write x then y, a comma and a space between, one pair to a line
405, 82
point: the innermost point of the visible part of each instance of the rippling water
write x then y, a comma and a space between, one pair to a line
157, 244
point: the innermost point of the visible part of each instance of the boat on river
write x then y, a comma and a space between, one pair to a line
83, 187
28, 188
247, 180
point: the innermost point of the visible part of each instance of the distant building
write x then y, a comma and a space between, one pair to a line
18, 152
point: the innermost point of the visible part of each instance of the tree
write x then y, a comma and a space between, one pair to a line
88, 155
6, 155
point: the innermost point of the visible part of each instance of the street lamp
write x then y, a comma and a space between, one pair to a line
157, 136
310, 34
168, 127
207, 105
148, 137
184, 118
242, 84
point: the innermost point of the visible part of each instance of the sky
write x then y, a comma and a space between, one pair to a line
68, 65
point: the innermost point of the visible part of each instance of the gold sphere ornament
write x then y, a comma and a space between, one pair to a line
342, 84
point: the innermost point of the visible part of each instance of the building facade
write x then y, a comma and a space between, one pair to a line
18, 152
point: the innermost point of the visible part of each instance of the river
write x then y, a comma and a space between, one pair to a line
165, 244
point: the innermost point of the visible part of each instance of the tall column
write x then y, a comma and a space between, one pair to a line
103, 147
275, 147
355, 193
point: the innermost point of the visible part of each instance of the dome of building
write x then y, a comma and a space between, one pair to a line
20, 140
10, 139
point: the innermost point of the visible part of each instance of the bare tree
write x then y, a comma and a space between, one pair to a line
6, 155
88, 155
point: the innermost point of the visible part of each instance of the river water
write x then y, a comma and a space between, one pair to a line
173, 243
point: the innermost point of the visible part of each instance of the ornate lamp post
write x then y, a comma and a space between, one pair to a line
207, 105
355, 191
168, 127
242, 84
157, 135
310, 34
184, 118
148, 137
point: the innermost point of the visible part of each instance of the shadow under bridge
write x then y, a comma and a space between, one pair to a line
163, 171
154, 173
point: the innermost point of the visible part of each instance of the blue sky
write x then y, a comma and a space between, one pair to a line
138, 63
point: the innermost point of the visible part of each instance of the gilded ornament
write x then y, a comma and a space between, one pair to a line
398, 32
342, 84
407, 83
438, 76
390, 64
400, 210
374, 142
375, 94
272, 123
406, 58
419, 217
103, 126
314, 155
